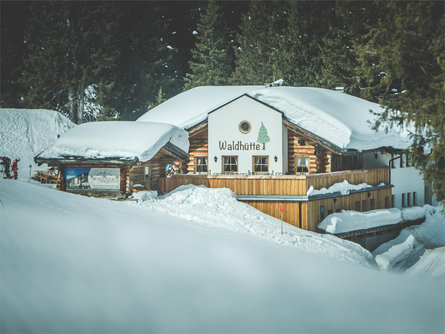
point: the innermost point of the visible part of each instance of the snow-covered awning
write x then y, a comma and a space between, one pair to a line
118, 141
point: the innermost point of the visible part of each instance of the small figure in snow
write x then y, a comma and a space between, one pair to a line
6, 164
15, 168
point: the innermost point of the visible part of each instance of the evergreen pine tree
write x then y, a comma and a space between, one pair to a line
211, 63
338, 57
256, 52
402, 60
67, 50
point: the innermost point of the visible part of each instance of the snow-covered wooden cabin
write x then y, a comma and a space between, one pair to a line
109, 158
271, 145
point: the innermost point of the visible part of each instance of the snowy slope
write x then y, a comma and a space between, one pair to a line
24, 133
118, 139
404, 251
212, 209
75, 264
337, 117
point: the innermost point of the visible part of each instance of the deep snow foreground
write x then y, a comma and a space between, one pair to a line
214, 209
404, 251
76, 264
24, 133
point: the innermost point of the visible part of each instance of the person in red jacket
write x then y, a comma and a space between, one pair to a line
15, 168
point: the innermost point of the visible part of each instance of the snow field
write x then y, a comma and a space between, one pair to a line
218, 208
404, 251
24, 133
75, 264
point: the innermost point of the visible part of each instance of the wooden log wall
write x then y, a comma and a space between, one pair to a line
199, 147
125, 179
291, 214
295, 150
360, 201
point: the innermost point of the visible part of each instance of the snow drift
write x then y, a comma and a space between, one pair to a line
24, 133
75, 264
405, 250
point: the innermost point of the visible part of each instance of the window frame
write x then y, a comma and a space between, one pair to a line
261, 157
222, 164
296, 164
196, 164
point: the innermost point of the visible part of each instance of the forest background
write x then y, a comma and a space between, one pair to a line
103, 60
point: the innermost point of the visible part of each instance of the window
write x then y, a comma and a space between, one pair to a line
387, 201
357, 206
147, 171
401, 160
321, 212
372, 204
244, 127
414, 199
261, 164
201, 165
364, 205
407, 160
230, 164
302, 165
403, 200
408, 197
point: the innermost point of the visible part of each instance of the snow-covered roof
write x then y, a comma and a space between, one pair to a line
117, 139
337, 117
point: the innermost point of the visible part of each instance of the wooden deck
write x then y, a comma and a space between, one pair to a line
276, 184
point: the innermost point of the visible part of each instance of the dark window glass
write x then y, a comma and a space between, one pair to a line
230, 164
261, 164
201, 164
302, 165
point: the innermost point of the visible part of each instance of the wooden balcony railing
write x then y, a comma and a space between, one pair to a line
276, 184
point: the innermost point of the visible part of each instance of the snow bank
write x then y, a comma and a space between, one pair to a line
346, 221
403, 251
342, 187
145, 195
218, 209
430, 264
24, 133
340, 118
73, 264
118, 139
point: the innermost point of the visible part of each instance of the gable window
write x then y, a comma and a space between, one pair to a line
244, 127
302, 165
230, 164
261, 164
201, 165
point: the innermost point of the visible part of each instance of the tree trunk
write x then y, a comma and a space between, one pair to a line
72, 105
80, 106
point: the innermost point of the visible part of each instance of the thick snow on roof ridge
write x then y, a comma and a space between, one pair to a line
179, 110
337, 117
306, 115
118, 139
24, 133
340, 118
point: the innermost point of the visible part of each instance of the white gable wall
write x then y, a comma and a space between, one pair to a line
406, 180
225, 137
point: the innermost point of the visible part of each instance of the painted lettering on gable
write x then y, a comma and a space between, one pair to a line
239, 146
